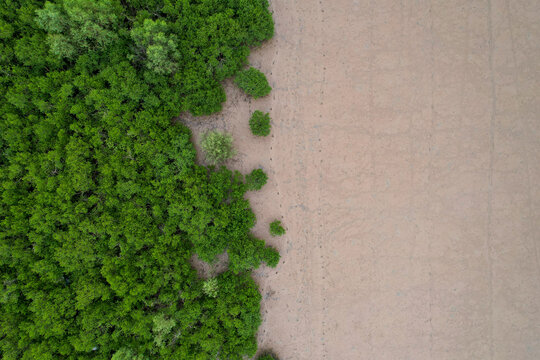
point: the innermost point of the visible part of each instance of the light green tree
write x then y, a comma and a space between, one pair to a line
78, 26
156, 46
210, 287
161, 329
217, 147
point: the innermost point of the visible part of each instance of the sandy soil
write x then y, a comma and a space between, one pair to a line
404, 161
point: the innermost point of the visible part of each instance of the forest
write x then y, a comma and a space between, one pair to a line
102, 203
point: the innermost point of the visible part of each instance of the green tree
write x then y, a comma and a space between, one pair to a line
253, 82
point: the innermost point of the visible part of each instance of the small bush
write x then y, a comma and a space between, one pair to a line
260, 123
276, 229
217, 147
253, 82
256, 179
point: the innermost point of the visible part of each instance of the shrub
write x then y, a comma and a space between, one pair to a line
271, 256
256, 179
253, 82
276, 229
267, 356
260, 123
217, 147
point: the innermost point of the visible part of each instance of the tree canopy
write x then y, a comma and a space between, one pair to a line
102, 204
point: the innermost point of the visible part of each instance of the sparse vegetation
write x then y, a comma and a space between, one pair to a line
276, 229
253, 82
259, 123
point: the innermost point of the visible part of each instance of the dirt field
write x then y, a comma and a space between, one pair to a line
405, 162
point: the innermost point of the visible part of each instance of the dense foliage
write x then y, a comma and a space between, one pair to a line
217, 147
253, 82
189, 45
256, 179
102, 204
259, 123
276, 229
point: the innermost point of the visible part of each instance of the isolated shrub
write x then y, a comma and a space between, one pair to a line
276, 229
217, 147
256, 179
271, 256
259, 123
253, 82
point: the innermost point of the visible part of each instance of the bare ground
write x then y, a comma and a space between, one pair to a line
404, 161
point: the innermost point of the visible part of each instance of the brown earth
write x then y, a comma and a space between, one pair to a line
404, 161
